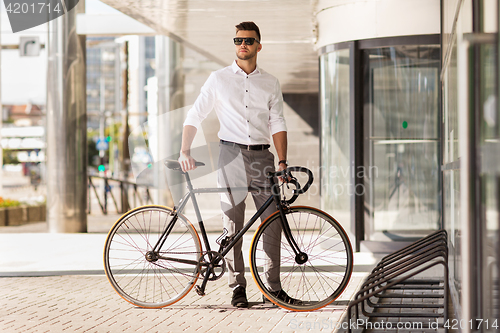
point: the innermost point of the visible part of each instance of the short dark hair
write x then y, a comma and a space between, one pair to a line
248, 26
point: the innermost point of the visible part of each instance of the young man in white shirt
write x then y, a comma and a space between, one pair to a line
249, 104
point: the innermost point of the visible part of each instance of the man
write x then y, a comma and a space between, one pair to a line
249, 104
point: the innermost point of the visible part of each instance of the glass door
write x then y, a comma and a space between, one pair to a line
401, 149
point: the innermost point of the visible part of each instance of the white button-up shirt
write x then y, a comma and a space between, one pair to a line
249, 106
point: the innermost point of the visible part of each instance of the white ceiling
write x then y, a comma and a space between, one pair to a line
286, 26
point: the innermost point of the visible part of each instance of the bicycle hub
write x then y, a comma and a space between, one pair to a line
151, 256
301, 258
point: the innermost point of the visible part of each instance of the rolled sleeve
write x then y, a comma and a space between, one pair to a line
276, 119
203, 104
192, 118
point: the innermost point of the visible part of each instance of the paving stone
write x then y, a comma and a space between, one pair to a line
80, 303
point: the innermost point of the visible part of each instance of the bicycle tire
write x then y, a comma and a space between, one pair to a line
326, 273
141, 282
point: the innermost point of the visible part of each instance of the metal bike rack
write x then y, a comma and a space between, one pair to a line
395, 273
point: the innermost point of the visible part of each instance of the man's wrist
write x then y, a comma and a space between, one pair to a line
285, 162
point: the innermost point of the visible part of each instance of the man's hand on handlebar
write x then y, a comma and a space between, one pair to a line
187, 162
282, 167
292, 179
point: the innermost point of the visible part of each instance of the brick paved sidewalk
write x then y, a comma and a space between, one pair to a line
87, 303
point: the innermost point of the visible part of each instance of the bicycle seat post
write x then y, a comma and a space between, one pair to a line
196, 209
188, 181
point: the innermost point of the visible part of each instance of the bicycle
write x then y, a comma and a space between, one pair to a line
153, 255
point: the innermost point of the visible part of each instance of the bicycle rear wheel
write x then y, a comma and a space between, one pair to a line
310, 285
144, 278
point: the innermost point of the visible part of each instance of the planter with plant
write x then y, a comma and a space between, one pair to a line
14, 213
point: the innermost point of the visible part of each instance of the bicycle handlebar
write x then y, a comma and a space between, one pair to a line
295, 195
287, 173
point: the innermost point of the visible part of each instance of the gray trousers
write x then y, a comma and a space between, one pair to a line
242, 168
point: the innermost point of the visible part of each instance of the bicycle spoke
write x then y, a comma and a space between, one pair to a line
324, 275
140, 276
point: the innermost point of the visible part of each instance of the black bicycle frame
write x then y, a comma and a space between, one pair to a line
275, 196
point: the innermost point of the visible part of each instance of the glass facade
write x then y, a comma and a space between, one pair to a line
451, 169
489, 180
451, 152
335, 143
391, 96
401, 106
471, 146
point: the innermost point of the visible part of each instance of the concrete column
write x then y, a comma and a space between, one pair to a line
66, 125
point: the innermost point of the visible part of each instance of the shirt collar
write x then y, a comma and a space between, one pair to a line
237, 69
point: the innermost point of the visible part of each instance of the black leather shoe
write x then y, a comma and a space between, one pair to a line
283, 296
239, 299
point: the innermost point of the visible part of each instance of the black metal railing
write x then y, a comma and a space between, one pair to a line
126, 188
394, 278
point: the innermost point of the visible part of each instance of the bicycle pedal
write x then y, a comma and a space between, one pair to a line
199, 291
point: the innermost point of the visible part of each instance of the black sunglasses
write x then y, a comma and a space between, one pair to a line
248, 40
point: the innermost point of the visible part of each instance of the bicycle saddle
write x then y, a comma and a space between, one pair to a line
175, 165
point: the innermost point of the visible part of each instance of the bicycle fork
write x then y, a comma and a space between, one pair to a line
300, 257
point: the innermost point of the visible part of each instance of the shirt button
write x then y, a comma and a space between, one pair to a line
247, 91
248, 121
249, 136
246, 106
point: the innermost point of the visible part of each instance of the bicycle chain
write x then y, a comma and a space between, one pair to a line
172, 270
215, 277
168, 252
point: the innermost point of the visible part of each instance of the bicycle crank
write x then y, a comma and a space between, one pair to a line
213, 264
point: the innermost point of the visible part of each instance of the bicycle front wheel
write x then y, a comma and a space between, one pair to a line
309, 285
152, 279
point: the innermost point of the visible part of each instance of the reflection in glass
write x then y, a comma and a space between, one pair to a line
401, 123
451, 217
489, 246
335, 181
450, 109
451, 177
490, 186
